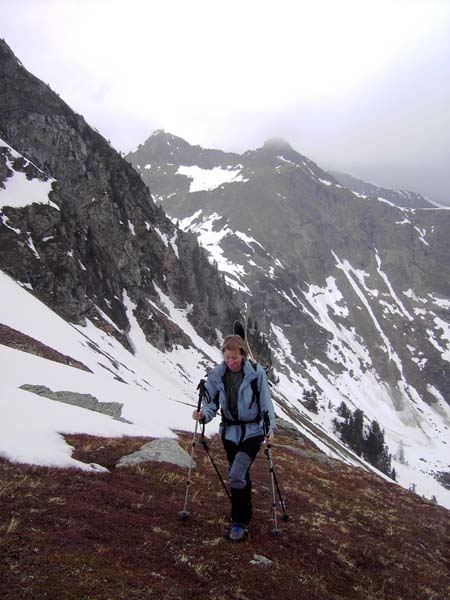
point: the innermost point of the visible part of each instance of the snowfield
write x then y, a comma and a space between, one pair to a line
157, 397
19, 190
209, 179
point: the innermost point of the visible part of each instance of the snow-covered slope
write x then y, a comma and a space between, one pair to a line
157, 390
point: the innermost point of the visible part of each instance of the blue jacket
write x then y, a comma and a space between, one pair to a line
247, 405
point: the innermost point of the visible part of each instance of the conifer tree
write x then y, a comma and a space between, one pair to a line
356, 432
310, 401
375, 450
369, 444
343, 411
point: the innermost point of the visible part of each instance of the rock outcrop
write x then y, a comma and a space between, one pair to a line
87, 401
99, 245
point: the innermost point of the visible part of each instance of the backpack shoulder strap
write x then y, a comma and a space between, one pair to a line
254, 385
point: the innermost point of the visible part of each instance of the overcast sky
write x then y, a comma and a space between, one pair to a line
360, 86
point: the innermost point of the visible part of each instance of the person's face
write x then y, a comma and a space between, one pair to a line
233, 360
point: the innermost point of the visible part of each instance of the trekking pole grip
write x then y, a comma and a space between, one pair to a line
201, 394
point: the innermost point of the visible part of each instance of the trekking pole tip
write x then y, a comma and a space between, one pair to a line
184, 514
276, 531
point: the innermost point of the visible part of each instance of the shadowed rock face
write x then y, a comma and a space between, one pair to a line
352, 285
101, 234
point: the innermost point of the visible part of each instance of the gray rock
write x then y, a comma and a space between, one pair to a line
286, 428
399, 197
261, 561
87, 401
159, 450
318, 456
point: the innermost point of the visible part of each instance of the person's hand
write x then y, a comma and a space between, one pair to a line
269, 439
198, 415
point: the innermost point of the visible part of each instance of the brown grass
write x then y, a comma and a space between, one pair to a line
20, 341
66, 534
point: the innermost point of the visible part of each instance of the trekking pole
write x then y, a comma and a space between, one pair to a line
205, 446
285, 516
204, 394
273, 478
184, 514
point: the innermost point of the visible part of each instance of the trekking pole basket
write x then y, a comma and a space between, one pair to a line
273, 477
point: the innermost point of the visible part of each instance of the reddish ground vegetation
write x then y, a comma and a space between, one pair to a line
66, 534
19, 341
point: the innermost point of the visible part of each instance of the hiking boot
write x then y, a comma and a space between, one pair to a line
238, 533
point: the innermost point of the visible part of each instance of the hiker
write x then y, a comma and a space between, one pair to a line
240, 389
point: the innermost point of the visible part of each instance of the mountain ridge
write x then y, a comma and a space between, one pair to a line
402, 198
348, 291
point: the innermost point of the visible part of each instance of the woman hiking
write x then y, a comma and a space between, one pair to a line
239, 388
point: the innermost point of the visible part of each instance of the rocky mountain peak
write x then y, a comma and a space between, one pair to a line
5, 51
163, 148
277, 144
162, 144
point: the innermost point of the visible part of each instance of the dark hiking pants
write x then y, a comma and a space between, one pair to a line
240, 458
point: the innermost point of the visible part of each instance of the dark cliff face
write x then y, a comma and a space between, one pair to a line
101, 234
356, 285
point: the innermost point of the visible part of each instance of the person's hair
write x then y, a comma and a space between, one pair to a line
234, 342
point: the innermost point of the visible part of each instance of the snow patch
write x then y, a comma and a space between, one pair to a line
209, 179
20, 191
391, 289
210, 239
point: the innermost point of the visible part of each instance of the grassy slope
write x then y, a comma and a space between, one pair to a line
66, 534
